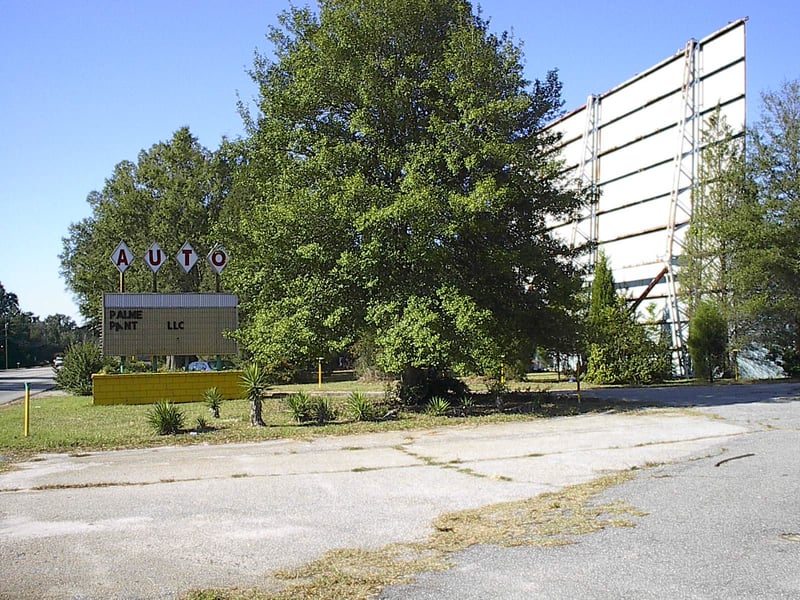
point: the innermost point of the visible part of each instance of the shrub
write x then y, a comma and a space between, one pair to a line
322, 411
420, 385
467, 405
81, 361
300, 406
438, 407
708, 340
213, 399
201, 424
360, 407
165, 418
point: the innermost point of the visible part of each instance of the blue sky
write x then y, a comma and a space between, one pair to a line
85, 84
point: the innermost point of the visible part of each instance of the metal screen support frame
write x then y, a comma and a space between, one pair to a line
684, 178
590, 175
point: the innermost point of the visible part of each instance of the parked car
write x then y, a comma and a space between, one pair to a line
58, 362
199, 365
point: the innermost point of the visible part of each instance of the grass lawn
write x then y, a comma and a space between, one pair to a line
61, 423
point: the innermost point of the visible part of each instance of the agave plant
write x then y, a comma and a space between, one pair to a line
213, 399
438, 407
253, 382
360, 407
165, 418
300, 406
322, 410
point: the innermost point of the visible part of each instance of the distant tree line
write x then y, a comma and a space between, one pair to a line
26, 340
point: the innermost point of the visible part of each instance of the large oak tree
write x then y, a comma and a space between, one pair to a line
394, 193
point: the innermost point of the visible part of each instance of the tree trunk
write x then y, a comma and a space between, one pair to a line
255, 413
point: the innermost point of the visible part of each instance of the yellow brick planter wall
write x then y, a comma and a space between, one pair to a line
148, 388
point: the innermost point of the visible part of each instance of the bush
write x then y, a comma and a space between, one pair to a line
360, 407
165, 418
81, 361
300, 406
322, 410
420, 385
438, 407
708, 340
213, 399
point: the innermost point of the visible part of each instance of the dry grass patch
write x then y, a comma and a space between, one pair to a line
552, 519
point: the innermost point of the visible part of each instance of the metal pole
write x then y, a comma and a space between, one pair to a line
5, 345
27, 419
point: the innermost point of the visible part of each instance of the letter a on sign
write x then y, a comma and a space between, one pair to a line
122, 257
154, 257
186, 257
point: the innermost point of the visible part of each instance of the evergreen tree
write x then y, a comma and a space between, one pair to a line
708, 340
620, 349
765, 277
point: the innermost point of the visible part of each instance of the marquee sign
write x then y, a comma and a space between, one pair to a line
187, 257
169, 324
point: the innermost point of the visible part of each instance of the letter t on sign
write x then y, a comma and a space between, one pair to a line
186, 257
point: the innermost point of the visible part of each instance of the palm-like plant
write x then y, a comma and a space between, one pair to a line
213, 399
253, 382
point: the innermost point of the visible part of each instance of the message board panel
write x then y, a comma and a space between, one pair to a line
169, 324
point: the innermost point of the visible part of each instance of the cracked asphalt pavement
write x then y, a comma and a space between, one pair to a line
155, 523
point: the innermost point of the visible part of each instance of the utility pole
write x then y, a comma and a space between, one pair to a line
5, 344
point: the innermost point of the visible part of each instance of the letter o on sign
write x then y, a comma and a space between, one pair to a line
218, 259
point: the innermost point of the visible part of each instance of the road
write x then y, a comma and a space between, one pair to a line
12, 382
144, 524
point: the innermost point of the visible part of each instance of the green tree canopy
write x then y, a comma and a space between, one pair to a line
395, 191
9, 304
708, 257
765, 236
173, 193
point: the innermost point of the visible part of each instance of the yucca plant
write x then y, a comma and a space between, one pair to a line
213, 399
201, 424
322, 411
438, 407
165, 418
253, 380
300, 406
360, 407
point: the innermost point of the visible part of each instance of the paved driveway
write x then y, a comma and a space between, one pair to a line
154, 523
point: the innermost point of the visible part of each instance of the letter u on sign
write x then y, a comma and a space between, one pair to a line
154, 257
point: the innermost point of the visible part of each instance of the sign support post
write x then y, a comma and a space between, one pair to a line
26, 425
